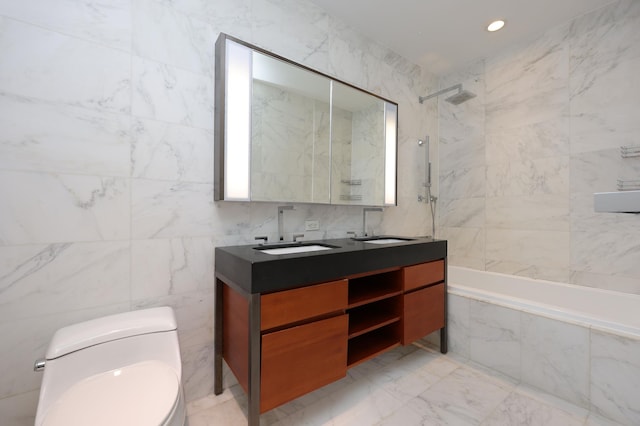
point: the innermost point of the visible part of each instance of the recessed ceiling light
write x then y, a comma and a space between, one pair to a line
495, 25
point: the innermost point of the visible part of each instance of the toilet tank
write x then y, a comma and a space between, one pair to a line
104, 344
110, 328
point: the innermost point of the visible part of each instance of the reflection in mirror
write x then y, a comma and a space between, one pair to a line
290, 134
358, 147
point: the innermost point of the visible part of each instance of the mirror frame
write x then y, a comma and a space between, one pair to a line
223, 152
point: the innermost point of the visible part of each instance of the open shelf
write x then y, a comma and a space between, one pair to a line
372, 344
373, 316
372, 288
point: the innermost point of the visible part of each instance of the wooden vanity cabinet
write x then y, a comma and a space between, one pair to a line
423, 300
303, 340
307, 337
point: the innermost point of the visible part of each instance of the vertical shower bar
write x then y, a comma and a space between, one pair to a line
427, 163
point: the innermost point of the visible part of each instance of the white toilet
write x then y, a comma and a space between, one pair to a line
120, 370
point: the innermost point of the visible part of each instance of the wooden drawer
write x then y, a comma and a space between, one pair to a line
423, 313
290, 306
424, 274
300, 359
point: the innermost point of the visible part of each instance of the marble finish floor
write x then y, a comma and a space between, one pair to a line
413, 385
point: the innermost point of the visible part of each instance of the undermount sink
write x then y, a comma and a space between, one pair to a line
383, 240
387, 240
298, 248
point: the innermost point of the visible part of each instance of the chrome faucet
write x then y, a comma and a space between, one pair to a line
281, 210
364, 217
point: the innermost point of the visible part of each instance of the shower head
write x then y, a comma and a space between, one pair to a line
460, 97
457, 99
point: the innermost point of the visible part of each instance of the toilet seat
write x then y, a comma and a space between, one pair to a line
140, 394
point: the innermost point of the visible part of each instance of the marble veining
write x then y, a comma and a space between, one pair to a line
165, 151
88, 208
104, 22
49, 60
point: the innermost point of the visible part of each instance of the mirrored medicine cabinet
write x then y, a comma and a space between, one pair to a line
287, 133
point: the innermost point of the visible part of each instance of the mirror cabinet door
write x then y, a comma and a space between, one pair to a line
357, 147
290, 133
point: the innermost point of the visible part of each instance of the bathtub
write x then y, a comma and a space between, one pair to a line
577, 343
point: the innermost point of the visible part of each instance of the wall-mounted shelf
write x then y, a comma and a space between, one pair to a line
617, 202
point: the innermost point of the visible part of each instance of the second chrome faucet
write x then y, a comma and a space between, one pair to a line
281, 210
364, 218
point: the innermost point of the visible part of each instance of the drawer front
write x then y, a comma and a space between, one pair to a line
300, 359
290, 306
423, 313
424, 274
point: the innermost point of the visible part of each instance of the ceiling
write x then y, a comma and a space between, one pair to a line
444, 35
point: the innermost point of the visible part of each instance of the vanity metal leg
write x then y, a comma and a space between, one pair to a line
254, 361
444, 335
217, 343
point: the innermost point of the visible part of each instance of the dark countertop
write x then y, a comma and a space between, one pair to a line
257, 272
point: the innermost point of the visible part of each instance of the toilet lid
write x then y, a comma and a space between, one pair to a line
140, 394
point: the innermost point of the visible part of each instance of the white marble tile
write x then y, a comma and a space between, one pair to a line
518, 409
25, 340
537, 248
231, 17
542, 64
164, 35
585, 219
602, 112
411, 374
530, 177
545, 212
494, 337
607, 252
525, 269
62, 139
359, 402
197, 371
458, 324
466, 153
598, 171
462, 183
615, 374
19, 410
57, 278
606, 281
228, 413
166, 93
464, 397
194, 314
104, 22
46, 65
170, 210
171, 152
163, 267
539, 140
555, 358
604, 19
296, 30
462, 212
41, 208
464, 242
355, 59
604, 58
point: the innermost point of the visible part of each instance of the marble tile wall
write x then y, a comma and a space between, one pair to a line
520, 163
106, 163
